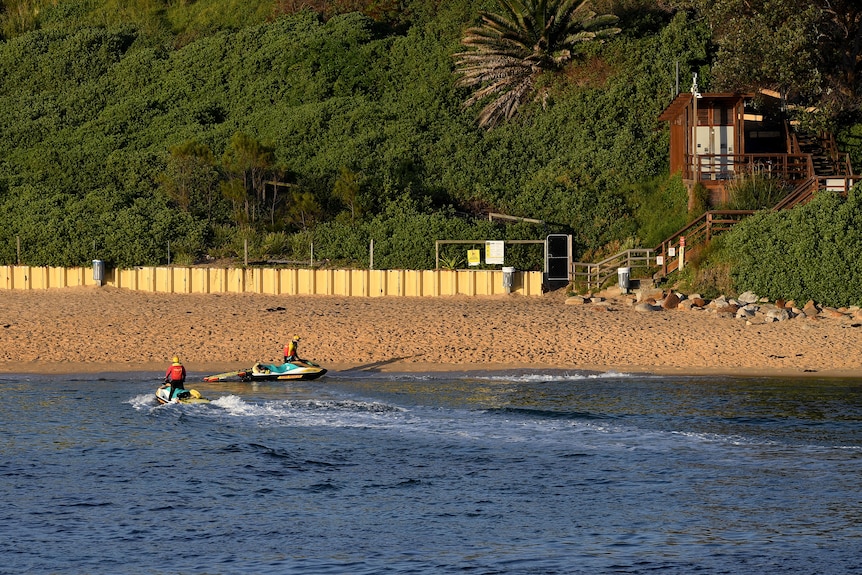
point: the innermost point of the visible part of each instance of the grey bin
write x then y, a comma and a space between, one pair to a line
98, 271
623, 278
508, 279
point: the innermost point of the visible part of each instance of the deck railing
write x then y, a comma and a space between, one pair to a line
785, 167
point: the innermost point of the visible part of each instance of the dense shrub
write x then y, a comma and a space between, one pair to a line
810, 252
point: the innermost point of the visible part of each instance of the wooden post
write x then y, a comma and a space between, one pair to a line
681, 253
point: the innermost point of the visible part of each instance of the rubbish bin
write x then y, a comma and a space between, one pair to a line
508, 279
98, 271
623, 279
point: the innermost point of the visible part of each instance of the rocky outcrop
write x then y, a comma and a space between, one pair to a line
748, 306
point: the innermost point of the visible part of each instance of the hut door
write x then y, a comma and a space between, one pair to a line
715, 148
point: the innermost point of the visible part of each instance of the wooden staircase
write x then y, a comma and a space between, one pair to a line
827, 160
831, 172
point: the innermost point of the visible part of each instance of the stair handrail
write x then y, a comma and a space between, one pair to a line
596, 274
848, 166
802, 192
698, 231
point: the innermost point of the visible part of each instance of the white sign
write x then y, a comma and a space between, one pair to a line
494, 252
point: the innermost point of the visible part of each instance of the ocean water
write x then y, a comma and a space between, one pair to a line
502, 472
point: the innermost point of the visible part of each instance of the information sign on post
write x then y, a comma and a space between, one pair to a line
494, 252
474, 257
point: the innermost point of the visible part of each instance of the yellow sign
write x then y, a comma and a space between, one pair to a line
474, 257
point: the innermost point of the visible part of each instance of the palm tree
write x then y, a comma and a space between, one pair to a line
507, 53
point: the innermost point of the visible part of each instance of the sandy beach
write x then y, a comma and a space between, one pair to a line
103, 329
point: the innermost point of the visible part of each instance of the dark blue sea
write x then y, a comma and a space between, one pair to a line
495, 473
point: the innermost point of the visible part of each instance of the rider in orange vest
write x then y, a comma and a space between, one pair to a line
175, 377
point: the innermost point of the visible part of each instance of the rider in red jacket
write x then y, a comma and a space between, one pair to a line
175, 376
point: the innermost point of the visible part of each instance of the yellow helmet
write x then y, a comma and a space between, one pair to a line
176, 359
296, 338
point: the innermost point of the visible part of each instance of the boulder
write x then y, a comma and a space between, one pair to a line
778, 314
718, 302
727, 310
649, 293
832, 313
671, 301
748, 297
745, 312
811, 309
689, 304
645, 307
576, 300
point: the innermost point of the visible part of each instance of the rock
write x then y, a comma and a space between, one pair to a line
811, 309
647, 307
689, 304
671, 301
727, 310
832, 313
780, 303
778, 314
745, 312
649, 293
718, 302
576, 300
696, 301
748, 297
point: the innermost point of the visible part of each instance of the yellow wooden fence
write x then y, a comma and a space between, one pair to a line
272, 281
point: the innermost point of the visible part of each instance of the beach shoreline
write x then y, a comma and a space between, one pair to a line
108, 330
198, 371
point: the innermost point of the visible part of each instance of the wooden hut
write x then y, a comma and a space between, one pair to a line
720, 137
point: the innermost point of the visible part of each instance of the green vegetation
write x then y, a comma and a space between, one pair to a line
133, 130
809, 252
